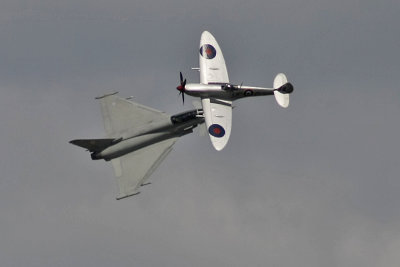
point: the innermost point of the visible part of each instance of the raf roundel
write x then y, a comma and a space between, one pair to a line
208, 51
216, 130
248, 93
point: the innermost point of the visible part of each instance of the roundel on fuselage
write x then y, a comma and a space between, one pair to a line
208, 51
216, 130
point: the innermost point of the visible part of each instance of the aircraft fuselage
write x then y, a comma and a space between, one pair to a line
227, 91
132, 140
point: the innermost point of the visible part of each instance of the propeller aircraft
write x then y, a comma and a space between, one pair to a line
217, 93
139, 137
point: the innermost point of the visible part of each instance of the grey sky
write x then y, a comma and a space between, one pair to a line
314, 185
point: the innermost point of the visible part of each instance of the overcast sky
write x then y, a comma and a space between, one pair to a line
313, 185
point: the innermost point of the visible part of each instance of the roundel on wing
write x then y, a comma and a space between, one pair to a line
216, 130
208, 51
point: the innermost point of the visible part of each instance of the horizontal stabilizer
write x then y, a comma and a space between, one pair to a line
94, 145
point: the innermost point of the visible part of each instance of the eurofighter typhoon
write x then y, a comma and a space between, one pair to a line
138, 139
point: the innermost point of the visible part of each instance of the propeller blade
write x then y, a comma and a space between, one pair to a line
181, 87
181, 77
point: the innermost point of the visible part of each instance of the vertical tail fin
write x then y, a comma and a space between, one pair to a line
282, 96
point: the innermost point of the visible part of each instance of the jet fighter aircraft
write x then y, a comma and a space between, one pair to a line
217, 93
138, 139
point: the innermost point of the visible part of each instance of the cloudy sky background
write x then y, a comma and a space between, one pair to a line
313, 185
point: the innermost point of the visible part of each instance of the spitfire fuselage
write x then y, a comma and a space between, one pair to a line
225, 91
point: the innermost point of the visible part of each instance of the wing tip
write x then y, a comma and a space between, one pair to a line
122, 196
219, 144
206, 36
105, 95
205, 32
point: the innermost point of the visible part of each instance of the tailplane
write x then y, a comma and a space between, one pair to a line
282, 90
94, 145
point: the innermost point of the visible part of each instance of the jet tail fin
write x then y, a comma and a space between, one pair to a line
93, 145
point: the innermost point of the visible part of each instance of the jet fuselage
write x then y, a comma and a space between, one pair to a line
134, 139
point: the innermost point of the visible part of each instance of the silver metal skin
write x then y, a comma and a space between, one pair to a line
225, 91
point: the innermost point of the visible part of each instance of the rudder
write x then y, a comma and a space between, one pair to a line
282, 96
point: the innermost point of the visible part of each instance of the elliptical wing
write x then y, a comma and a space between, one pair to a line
218, 117
211, 60
217, 112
